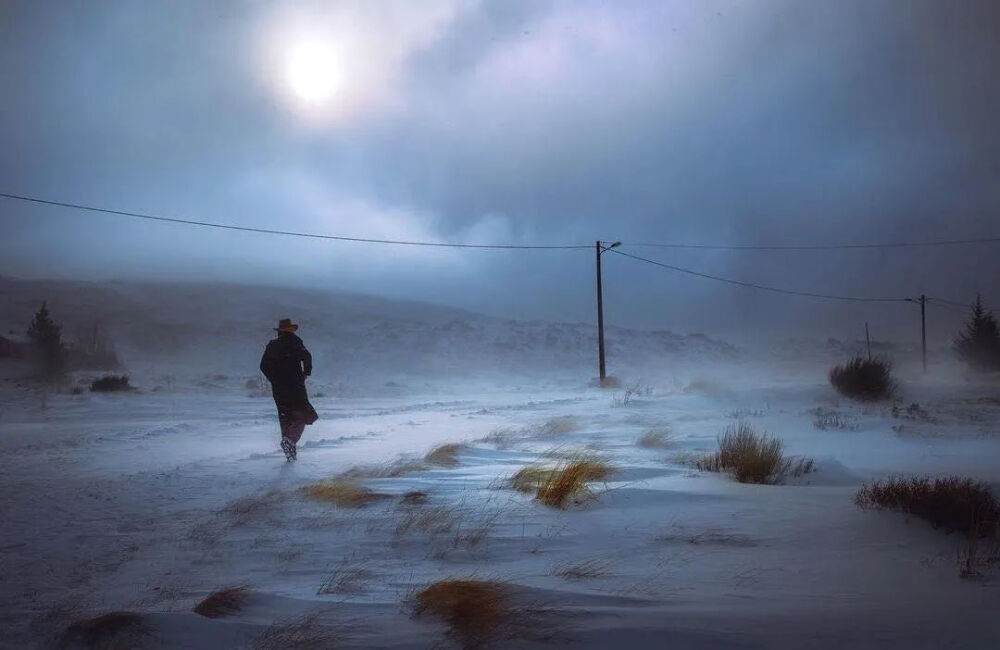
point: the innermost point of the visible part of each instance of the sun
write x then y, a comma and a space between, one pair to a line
314, 72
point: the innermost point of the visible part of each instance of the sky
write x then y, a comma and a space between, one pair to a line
515, 122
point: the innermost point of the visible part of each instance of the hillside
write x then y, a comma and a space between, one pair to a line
206, 328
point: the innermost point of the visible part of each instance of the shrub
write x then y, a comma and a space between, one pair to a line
222, 603
864, 379
341, 493
951, 503
752, 457
444, 455
979, 343
475, 611
110, 384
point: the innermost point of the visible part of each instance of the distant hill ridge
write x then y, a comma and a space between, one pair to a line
214, 326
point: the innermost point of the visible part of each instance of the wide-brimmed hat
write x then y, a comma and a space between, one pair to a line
286, 325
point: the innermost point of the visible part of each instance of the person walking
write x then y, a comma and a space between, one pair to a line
286, 364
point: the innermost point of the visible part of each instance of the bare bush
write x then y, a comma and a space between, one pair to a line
864, 379
222, 603
632, 391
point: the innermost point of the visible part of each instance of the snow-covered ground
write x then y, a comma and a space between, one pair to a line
149, 501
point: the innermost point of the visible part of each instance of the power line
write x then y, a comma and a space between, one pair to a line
818, 247
753, 285
267, 231
963, 305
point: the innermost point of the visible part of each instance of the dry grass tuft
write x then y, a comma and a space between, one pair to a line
444, 455
342, 493
752, 457
475, 611
414, 498
222, 603
395, 469
305, 632
503, 437
247, 509
654, 439
583, 571
559, 426
563, 484
111, 631
953, 504
345, 580
529, 478
863, 379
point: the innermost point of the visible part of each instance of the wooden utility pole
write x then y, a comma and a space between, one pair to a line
923, 329
599, 248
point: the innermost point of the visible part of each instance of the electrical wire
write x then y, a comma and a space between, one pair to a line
267, 231
818, 247
753, 285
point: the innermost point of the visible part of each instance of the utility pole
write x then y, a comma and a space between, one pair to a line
923, 329
868, 338
600, 248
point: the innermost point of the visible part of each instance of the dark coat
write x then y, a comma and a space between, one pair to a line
286, 364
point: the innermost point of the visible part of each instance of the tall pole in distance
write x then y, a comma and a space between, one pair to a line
600, 316
868, 338
599, 249
923, 329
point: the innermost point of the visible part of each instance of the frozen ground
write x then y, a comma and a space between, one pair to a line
149, 501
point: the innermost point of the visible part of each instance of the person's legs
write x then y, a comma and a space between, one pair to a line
294, 431
290, 434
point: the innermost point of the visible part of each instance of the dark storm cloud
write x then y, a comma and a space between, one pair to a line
525, 122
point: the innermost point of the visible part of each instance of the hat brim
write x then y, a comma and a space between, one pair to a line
292, 328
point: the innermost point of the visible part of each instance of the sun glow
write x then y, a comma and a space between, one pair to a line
314, 71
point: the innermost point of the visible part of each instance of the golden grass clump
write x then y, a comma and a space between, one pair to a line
752, 457
222, 603
444, 455
112, 630
563, 484
342, 493
475, 611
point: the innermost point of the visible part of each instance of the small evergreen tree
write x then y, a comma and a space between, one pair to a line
979, 343
46, 338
